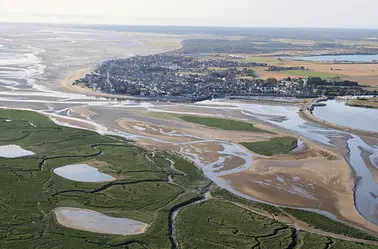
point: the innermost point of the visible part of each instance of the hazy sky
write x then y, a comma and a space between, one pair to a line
254, 13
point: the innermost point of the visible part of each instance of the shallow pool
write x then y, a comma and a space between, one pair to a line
14, 151
83, 173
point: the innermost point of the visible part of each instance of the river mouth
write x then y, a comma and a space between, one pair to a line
87, 220
14, 151
82, 173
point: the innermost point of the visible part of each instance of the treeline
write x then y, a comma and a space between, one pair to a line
316, 81
277, 68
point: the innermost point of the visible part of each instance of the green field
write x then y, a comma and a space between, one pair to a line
309, 73
274, 146
261, 59
30, 191
224, 124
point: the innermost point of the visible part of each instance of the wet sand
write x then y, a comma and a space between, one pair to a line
315, 183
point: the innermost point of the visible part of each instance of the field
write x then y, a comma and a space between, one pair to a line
142, 191
224, 124
274, 146
308, 73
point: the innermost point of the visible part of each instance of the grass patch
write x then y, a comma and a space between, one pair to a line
224, 124
314, 241
160, 115
309, 73
192, 177
217, 224
326, 224
261, 59
274, 146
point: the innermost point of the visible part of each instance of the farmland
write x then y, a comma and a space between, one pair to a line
308, 73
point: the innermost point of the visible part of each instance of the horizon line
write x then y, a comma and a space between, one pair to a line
182, 26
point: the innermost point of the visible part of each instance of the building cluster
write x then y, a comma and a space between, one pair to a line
178, 76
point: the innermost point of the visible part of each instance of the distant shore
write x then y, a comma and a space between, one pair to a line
366, 103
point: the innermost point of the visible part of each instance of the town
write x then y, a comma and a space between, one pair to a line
181, 77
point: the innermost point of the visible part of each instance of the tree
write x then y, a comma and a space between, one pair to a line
300, 83
271, 81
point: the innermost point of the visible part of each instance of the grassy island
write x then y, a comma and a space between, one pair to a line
274, 146
224, 124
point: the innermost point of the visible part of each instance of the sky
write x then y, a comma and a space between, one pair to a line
236, 13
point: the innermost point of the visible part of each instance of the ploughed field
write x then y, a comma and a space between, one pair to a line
145, 189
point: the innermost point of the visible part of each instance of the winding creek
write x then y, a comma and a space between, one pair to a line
27, 70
